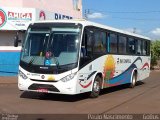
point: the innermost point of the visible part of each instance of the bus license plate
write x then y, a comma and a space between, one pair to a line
42, 90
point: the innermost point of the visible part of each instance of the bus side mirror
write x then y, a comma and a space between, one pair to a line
16, 40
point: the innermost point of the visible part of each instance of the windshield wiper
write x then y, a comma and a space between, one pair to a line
56, 61
32, 60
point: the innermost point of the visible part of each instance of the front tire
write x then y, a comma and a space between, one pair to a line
96, 87
133, 81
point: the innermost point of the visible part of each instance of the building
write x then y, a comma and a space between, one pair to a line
18, 14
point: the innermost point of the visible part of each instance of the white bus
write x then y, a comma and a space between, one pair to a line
77, 56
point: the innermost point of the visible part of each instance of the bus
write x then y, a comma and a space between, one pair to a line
77, 56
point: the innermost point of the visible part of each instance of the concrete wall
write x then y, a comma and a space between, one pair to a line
7, 38
9, 55
61, 6
9, 62
10, 3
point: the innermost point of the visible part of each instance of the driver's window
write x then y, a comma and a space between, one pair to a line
86, 47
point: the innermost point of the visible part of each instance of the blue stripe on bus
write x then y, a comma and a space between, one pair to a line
123, 78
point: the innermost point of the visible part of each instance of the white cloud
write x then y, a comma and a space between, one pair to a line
96, 15
156, 32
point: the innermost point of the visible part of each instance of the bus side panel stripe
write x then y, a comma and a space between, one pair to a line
145, 65
121, 79
124, 77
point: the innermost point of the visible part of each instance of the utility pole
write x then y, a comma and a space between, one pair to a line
87, 12
134, 30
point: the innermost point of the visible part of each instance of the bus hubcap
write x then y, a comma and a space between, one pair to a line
134, 80
96, 86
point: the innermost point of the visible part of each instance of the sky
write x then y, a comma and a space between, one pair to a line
141, 16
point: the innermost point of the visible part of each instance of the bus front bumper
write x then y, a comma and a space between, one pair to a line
58, 87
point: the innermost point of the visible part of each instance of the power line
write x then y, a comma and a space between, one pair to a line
137, 19
87, 12
126, 12
124, 18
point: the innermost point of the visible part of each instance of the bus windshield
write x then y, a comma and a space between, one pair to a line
55, 46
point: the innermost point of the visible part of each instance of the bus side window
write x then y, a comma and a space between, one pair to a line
83, 46
139, 47
144, 48
100, 46
131, 46
148, 48
122, 44
86, 47
113, 43
87, 43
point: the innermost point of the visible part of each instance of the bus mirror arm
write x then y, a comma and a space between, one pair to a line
16, 40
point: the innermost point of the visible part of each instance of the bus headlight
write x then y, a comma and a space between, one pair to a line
68, 77
21, 74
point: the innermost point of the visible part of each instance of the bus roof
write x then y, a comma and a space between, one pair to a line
89, 23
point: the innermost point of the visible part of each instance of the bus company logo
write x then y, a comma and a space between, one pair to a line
42, 15
121, 61
3, 18
42, 76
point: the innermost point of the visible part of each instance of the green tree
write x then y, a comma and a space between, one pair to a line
155, 52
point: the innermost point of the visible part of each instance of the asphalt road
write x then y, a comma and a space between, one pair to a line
144, 98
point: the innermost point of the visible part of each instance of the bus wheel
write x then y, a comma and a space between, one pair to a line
96, 88
134, 80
